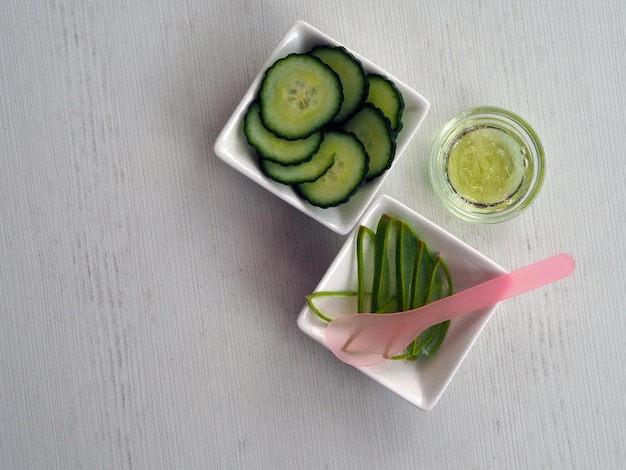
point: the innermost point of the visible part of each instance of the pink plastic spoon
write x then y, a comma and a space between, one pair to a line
367, 339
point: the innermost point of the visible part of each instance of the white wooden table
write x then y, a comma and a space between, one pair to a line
149, 293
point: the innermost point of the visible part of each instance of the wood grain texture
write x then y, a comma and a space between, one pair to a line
148, 292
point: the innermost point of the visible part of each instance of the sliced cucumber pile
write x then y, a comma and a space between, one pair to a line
321, 123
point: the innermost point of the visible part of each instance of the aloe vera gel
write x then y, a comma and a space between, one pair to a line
487, 165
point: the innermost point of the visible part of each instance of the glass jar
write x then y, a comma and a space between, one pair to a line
487, 165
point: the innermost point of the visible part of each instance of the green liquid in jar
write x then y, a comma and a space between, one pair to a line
486, 165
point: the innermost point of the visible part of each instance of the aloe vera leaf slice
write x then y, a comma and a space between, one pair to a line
388, 302
432, 347
433, 283
424, 278
328, 305
408, 355
406, 258
424, 339
427, 335
440, 286
365, 249
390, 306
424, 268
381, 287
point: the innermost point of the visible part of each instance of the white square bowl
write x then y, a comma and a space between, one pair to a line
231, 145
420, 382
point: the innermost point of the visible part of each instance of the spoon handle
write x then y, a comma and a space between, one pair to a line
500, 288
368, 339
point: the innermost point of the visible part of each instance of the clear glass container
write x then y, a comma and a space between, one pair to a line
487, 165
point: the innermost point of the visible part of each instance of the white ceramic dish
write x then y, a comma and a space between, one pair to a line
231, 145
421, 382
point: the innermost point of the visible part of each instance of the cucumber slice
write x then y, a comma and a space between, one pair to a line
307, 171
299, 95
353, 79
344, 177
384, 94
371, 128
273, 148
